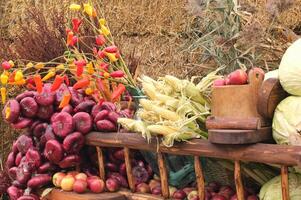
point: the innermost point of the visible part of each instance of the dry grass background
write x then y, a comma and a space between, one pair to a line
179, 37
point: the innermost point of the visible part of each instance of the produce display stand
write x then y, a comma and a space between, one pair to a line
284, 156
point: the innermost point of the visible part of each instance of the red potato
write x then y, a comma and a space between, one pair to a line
62, 124
18, 159
53, 151
11, 111
76, 97
40, 129
96, 109
46, 167
10, 161
238, 77
15, 148
45, 112
24, 143
14, 193
25, 94
109, 106
101, 115
34, 124
46, 98
83, 122
73, 142
18, 185
48, 135
69, 161
121, 180
105, 126
22, 123
68, 109
112, 185
113, 117
33, 157
12, 173
52, 119
29, 107
39, 181
85, 106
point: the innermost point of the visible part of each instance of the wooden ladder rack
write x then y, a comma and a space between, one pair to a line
263, 153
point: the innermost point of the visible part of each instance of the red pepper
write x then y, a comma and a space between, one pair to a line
104, 66
100, 40
81, 83
80, 66
68, 30
101, 54
57, 83
30, 86
117, 74
38, 82
11, 77
74, 40
118, 92
66, 79
94, 51
6, 65
117, 55
111, 49
30, 80
75, 24
99, 84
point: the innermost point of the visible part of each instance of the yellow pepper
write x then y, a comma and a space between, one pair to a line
106, 75
39, 65
90, 68
3, 94
19, 76
75, 7
89, 91
50, 74
60, 67
104, 30
111, 57
12, 64
29, 65
88, 9
102, 21
4, 78
20, 82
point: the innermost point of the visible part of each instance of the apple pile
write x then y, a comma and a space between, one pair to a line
238, 77
53, 135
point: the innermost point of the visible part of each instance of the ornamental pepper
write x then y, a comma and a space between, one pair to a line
66, 79
117, 74
70, 38
104, 66
60, 67
102, 21
80, 66
89, 91
3, 94
39, 65
111, 57
65, 100
57, 83
38, 82
6, 65
111, 49
75, 7
11, 78
68, 30
12, 64
104, 30
75, 24
30, 80
90, 68
106, 75
88, 9
20, 82
81, 84
95, 51
118, 92
101, 54
19, 76
30, 86
100, 40
48, 76
29, 65
4, 78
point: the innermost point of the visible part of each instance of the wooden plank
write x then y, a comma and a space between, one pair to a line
101, 165
139, 196
128, 165
238, 181
199, 177
163, 175
269, 153
251, 123
222, 136
284, 183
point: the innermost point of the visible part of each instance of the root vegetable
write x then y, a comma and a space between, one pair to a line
85, 106
59, 94
53, 151
73, 142
24, 143
48, 135
96, 109
14, 193
15, 148
11, 111
76, 97
39, 181
68, 109
45, 98
121, 180
23, 173
218, 197
25, 94
40, 129
119, 154
33, 157
112, 185
105, 126
29, 107
10, 161
113, 117
101, 115
83, 122
12, 172
109, 106
45, 112
22, 123
62, 124
46, 167
18, 159
29, 197
111, 167
69, 161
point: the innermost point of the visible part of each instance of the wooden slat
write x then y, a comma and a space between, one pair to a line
101, 165
284, 183
238, 181
163, 175
273, 154
129, 169
199, 177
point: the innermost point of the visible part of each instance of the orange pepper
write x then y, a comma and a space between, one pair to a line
118, 91
38, 82
57, 83
81, 83
65, 101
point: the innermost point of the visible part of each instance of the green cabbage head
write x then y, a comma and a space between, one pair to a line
272, 189
287, 121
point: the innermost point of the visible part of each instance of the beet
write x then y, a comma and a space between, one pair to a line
39, 181
46, 98
69, 161
140, 174
22, 123
73, 142
25, 94
96, 109
45, 112
48, 135
62, 124
18, 159
11, 111
14, 193
109, 106
40, 129
33, 157
101, 115
53, 151
24, 143
85, 106
83, 122
113, 117
68, 109
76, 97
105, 126
29, 107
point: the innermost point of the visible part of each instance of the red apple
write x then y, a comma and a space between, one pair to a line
112, 185
257, 70
179, 195
96, 185
143, 188
81, 176
80, 186
238, 77
219, 82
